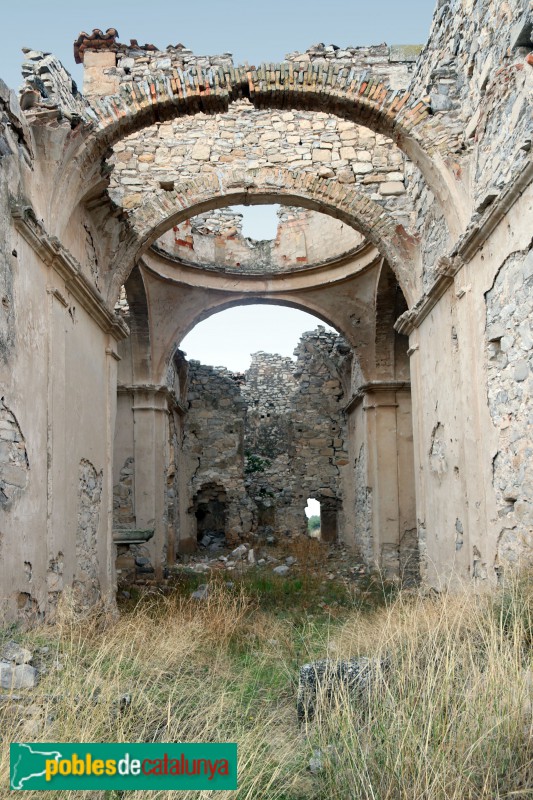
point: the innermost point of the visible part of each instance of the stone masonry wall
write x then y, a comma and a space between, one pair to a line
475, 71
285, 417
254, 139
246, 138
270, 389
510, 391
49, 84
213, 443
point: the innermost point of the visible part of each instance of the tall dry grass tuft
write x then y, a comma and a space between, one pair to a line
450, 717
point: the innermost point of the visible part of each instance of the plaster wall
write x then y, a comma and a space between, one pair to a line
59, 355
462, 435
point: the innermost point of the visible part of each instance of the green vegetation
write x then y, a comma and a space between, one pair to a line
451, 720
313, 524
254, 463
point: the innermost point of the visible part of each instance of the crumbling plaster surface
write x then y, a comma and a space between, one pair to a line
14, 463
57, 401
215, 240
465, 511
86, 579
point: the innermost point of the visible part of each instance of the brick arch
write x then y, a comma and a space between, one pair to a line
406, 120
163, 209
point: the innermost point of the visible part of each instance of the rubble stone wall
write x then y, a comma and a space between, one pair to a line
272, 437
509, 345
475, 72
212, 450
318, 143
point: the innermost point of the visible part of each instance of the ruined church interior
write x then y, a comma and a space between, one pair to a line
403, 181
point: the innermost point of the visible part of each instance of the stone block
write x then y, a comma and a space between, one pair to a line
132, 200
15, 653
321, 681
495, 333
393, 188
521, 371
347, 152
100, 59
404, 52
20, 677
527, 268
362, 167
201, 152
14, 475
521, 33
321, 155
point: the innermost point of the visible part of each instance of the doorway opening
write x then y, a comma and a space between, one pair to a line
211, 512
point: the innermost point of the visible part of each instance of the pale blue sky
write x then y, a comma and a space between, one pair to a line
253, 32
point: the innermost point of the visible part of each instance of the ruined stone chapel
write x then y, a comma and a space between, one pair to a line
404, 178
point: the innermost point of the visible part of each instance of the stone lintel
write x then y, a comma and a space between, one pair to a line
54, 255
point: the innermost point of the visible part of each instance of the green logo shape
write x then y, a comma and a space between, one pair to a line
123, 766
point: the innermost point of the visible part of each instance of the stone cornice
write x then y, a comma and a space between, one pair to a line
447, 268
374, 387
341, 260
155, 390
54, 255
479, 231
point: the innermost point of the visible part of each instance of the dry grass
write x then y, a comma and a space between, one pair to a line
451, 719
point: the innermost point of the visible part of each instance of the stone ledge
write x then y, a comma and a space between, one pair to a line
132, 535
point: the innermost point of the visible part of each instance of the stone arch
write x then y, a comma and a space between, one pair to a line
163, 209
300, 305
361, 99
